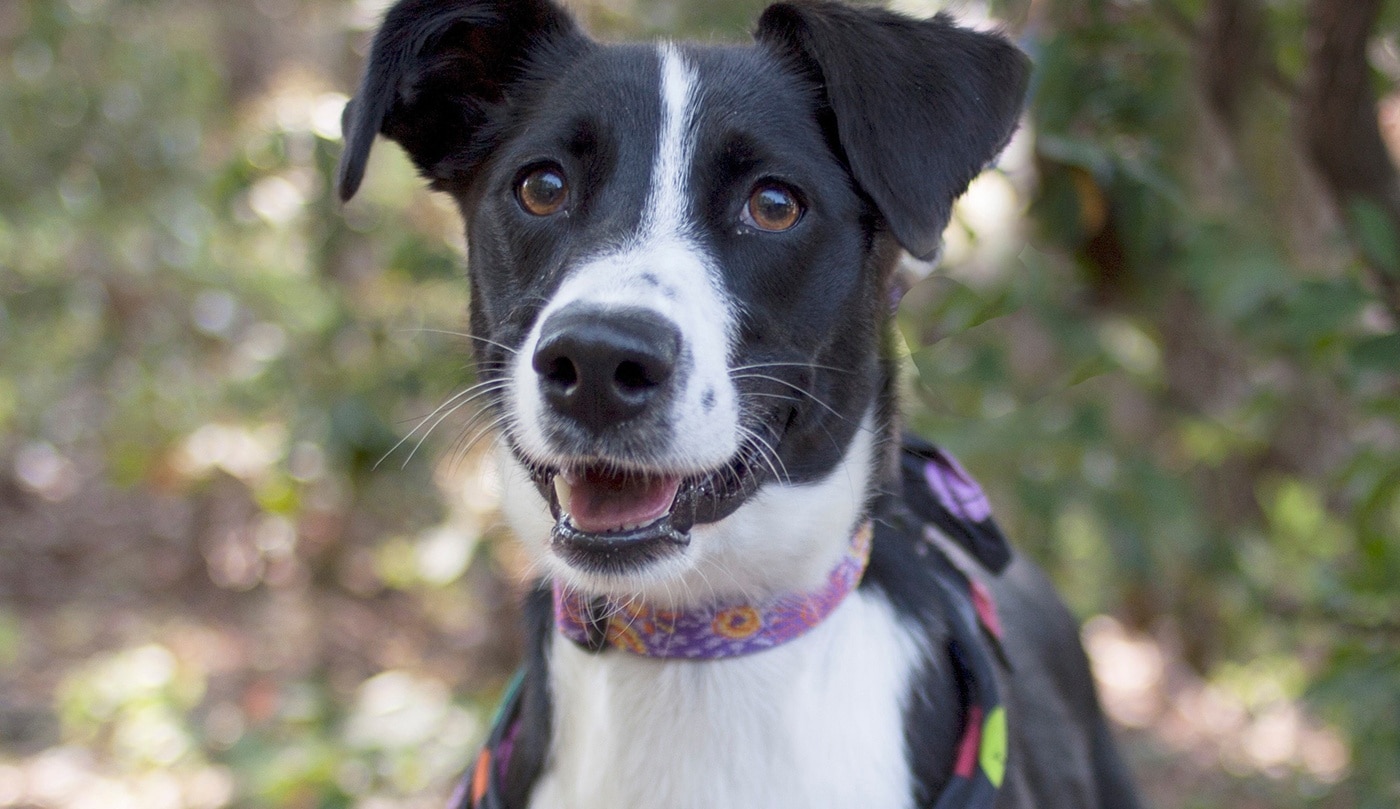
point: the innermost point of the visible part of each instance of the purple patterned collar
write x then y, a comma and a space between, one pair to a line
711, 632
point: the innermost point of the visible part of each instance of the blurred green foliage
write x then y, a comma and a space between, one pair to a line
1150, 338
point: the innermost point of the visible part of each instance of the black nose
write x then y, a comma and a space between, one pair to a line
601, 367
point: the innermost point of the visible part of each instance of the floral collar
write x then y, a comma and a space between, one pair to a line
712, 632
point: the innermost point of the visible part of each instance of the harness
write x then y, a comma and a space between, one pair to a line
947, 502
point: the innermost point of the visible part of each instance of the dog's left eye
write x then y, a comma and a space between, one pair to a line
542, 190
772, 207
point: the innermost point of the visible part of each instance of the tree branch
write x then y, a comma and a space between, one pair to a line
1341, 133
1231, 45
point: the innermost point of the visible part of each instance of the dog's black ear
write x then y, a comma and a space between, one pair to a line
920, 106
438, 73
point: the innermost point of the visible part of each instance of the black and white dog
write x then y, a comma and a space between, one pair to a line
681, 264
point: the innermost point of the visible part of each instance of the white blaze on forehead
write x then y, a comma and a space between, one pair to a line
663, 268
665, 211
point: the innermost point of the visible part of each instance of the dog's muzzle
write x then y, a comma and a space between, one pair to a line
608, 376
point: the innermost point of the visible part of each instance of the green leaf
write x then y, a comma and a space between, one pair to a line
1376, 235
1378, 353
1319, 309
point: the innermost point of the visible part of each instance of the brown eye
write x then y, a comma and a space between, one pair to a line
542, 191
772, 207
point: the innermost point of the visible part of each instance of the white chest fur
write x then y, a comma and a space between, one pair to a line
815, 723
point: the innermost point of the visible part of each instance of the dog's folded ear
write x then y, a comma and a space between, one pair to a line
440, 72
920, 106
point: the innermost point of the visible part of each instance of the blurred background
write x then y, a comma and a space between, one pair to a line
1164, 335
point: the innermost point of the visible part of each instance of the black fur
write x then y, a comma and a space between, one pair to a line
880, 122
902, 571
536, 712
439, 77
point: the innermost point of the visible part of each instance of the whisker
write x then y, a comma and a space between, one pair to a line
460, 455
804, 392
811, 365
461, 446
781, 397
471, 392
480, 387
773, 456
778, 396
440, 419
766, 452
467, 335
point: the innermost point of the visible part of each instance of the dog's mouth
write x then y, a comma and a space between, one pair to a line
610, 518
598, 501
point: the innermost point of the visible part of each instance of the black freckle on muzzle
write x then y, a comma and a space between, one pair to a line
600, 367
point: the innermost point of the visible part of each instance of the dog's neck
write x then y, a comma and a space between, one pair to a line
711, 632
771, 729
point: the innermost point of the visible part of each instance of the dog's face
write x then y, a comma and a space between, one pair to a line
688, 260
679, 260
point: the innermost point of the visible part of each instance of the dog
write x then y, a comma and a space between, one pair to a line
681, 262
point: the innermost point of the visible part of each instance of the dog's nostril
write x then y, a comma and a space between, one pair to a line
562, 372
632, 376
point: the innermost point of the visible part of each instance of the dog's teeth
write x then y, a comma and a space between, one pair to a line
562, 490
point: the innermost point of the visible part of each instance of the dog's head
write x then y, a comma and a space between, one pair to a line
680, 261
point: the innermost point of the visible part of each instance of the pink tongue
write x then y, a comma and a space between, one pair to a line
601, 501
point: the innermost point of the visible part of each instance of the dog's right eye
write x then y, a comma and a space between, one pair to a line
542, 190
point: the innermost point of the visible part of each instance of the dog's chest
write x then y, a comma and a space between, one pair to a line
818, 722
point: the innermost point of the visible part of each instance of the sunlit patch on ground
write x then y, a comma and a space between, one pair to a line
1246, 720
71, 778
